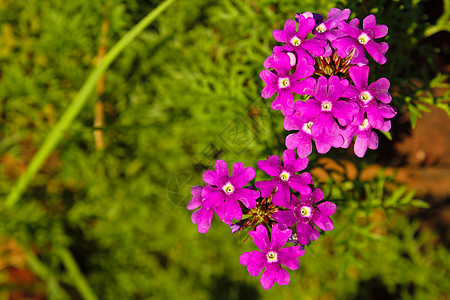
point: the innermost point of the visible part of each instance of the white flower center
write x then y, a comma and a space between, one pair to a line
285, 176
326, 106
365, 97
365, 124
321, 28
363, 38
307, 127
283, 82
305, 211
295, 41
272, 257
228, 188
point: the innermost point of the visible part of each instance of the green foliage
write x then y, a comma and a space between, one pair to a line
183, 94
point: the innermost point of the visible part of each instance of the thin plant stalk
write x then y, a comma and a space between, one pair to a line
55, 136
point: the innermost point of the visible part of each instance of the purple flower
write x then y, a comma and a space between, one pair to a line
326, 105
223, 192
284, 177
203, 216
365, 136
305, 214
373, 113
285, 84
324, 30
318, 18
271, 256
362, 40
367, 96
295, 40
301, 140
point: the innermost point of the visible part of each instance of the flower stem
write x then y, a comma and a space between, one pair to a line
54, 137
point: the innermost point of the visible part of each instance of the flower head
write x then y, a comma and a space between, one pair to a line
271, 256
302, 139
306, 213
328, 105
223, 191
284, 177
367, 95
284, 84
362, 40
326, 30
296, 40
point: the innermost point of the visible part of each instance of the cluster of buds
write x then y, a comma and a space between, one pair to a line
330, 71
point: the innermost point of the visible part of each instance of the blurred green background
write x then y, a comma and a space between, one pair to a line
183, 94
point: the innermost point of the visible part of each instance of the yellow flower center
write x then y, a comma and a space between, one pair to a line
295, 41
272, 256
283, 82
228, 188
365, 97
363, 38
285, 176
321, 28
326, 106
305, 211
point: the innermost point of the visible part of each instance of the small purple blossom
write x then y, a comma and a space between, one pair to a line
223, 192
302, 140
296, 40
373, 115
362, 40
284, 177
305, 214
271, 256
326, 30
284, 84
367, 96
203, 216
327, 105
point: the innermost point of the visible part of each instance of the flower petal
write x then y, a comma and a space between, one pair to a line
241, 175
288, 256
282, 196
360, 146
324, 222
327, 208
285, 218
272, 165
279, 237
304, 87
268, 277
300, 183
360, 76
255, 261
232, 210
246, 196
266, 186
261, 238
213, 196
197, 198
221, 168
306, 232
202, 218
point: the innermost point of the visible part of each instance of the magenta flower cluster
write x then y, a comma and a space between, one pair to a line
337, 104
330, 71
269, 203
